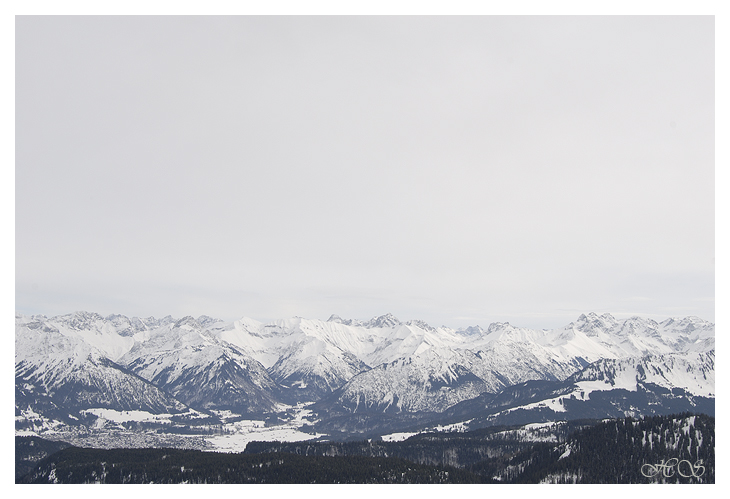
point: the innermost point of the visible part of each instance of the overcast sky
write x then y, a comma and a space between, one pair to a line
459, 170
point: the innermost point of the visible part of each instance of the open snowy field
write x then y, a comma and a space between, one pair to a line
236, 442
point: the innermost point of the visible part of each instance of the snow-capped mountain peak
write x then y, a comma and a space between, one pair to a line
387, 320
189, 323
594, 324
410, 366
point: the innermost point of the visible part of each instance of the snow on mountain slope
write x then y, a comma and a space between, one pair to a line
594, 337
693, 372
399, 341
381, 364
249, 336
654, 384
321, 356
431, 381
661, 381
201, 370
313, 369
436, 378
502, 356
380, 340
77, 375
316, 357
94, 330
308, 358
636, 336
689, 334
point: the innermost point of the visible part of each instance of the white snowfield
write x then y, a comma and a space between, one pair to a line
397, 437
237, 441
692, 371
126, 416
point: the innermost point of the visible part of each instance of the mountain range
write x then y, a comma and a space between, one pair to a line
349, 371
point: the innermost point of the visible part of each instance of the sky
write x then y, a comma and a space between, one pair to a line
457, 170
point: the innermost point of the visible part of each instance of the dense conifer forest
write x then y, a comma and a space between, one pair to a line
30, 450
658, 449
75, 465
453, 448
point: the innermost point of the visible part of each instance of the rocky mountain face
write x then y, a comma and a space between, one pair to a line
448, 367
61, 374
347, 367
654, 384
201, 370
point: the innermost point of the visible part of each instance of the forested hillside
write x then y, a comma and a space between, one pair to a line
658, 449
445, 448
29, 451
75, 465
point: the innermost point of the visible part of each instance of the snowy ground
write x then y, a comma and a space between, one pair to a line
104, 415
107, 432
236, 442
237, 434
454, 427
397, 437
533, 432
